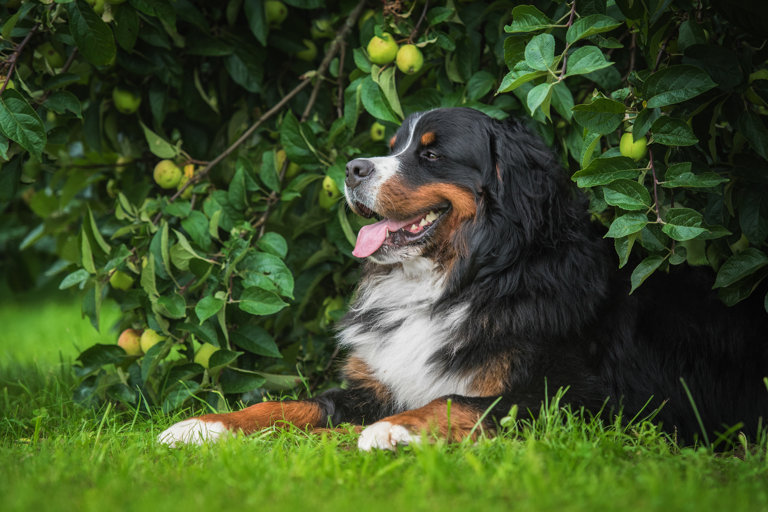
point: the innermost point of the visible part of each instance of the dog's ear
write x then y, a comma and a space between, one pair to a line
525, 206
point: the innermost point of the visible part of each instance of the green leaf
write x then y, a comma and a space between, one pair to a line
590, 141
739, 266
196, 226
527, 18
518, 77
234, 381
673, 132
625, 225
562, 100
644, 121
147, 279
540, 52
256, 340
623, 247
100, 354
602, 171
179, 395
601, 116
258, 266
269, 173
75, 278
222, 357
375, 102
126, 27
94, 232
86, 254
273, 243
207, 307
479, 85
755, 132
680, 175
540, 96
683, 224
589, 26
676, 84
157, 145
585, 60
260, 302
172, 306
254, 13
644, 270
64, 101
627, 194
246, 69
20, 123
386, 81
92, 36
298, 141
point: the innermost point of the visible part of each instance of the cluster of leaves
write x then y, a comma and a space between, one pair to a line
253, 253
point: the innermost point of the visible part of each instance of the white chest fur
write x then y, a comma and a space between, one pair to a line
399, 345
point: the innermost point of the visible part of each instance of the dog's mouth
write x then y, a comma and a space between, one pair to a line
395, 233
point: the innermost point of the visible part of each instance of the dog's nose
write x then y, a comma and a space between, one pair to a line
357, 171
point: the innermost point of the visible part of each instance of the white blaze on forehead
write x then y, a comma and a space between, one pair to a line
385, 167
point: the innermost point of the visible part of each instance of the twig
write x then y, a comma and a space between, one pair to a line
63, 69
418, 23
564, 67
15, 56
632, 46
340, 35
655, 189
340, 98
337, 42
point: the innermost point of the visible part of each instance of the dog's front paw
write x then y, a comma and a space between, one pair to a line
193, 431
384, 435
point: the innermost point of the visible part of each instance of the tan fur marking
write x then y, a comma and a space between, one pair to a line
396, 198
357, 372
266, 414
491, 379
435, 418
428, 138
392, 141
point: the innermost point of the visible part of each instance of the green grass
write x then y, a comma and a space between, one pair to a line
58, 456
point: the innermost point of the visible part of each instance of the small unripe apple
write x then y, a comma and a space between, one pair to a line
166, 174
377, 131
51, 55
126, 102
129, 341
187, 191
382, 50
119, 280
633, 149
98, 6
150, 338
203, 356
321, 28
329, 193
275, 12
409, 59
309, 52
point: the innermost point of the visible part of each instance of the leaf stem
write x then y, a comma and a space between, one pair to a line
655, 187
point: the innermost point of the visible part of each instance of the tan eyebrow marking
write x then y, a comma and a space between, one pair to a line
428, 138
392, 141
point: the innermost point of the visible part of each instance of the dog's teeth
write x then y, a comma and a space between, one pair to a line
414, 228
431, 216
423, 222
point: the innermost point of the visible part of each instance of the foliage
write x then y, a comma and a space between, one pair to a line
252, 251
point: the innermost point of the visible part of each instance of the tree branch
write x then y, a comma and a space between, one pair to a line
15, 56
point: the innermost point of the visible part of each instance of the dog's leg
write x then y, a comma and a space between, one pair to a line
453, 422
353, 405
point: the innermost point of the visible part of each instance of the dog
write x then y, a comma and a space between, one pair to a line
485, 284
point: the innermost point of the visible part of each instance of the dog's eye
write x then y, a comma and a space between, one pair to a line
430, 155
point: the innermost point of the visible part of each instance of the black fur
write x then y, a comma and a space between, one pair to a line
544, 289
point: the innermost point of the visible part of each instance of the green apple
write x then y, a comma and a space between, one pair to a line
382, 50
409, 59
276, 12
187, 191
377, 131
10, 85
322, 28
119, 280
129, 341
126, 102
51, 55
98, 6
203, 356
633, 149
309, 52
292, 171
150, 338
167, 174
329, 193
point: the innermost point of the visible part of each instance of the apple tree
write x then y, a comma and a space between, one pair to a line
185, 158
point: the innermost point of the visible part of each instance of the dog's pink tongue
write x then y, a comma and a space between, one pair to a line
370, 237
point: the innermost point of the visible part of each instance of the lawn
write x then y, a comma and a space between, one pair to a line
56, 455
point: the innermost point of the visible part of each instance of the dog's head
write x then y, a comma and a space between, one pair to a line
460, 188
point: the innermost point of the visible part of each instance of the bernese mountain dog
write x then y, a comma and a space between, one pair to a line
486, 285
